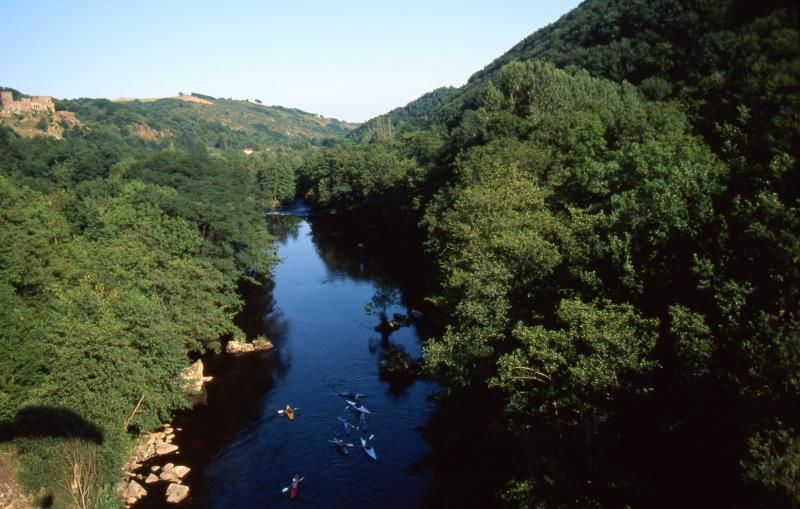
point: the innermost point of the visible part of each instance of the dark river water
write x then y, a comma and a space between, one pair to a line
243, 453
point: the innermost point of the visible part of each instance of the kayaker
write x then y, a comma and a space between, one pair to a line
295, 488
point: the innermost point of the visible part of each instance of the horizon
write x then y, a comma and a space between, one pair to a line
351, 62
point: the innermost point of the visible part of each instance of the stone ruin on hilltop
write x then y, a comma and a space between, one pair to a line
35, 103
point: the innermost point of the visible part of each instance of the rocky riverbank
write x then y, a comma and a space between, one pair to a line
151, 461
219, 408
157, 451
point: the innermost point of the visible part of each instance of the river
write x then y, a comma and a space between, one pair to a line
242, 453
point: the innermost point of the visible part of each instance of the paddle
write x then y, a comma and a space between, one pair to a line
354, 405
281, 411
284, 490
337, 443
351, 394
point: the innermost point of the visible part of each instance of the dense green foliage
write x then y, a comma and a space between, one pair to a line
617, 260
415, 115
116, 265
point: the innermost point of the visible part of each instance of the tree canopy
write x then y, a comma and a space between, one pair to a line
612, 208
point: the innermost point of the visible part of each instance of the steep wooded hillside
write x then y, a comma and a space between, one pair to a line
612, 208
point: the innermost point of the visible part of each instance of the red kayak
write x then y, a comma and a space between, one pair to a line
294, 489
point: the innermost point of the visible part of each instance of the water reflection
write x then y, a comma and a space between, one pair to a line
331, 291
284, 227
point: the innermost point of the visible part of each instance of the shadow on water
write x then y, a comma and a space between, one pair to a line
238, 449
235, 396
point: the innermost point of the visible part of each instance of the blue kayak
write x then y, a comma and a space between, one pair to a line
356, 406
369, 449
347, 426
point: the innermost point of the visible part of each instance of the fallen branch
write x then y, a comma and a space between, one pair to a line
130, 417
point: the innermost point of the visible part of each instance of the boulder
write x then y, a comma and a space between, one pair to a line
262, 344
400, 318
386, 327
193, 385
397, 366
198, 398
176, 493
135, 491
151, 479
163, 448
168, 476
236, 347
181, 471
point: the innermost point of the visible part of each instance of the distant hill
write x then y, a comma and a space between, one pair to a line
414, 115
199, 121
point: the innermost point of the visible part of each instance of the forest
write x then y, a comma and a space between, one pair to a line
121, 262
612, 211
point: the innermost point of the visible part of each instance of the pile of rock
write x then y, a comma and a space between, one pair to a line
173, 474
236, 347
157, 444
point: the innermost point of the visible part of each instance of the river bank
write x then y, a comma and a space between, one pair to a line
241, 453
239, 382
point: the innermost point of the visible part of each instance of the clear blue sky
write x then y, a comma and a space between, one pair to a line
348, 59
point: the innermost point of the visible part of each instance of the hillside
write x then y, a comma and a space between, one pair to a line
415, 115
612, 208
197, 121
635, 40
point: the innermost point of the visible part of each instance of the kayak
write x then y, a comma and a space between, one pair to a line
347, 426
369, 450
351, 395
360, 408
294, 489
289, 411
341, 445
